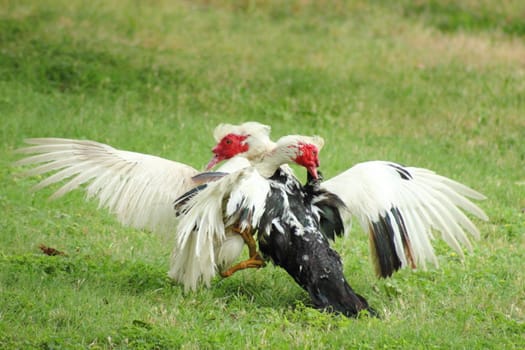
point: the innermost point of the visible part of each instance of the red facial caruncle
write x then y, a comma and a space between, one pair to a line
309, 158
228, 147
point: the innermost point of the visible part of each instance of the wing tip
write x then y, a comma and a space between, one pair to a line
382, 252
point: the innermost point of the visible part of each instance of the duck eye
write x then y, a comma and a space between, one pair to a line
228, 141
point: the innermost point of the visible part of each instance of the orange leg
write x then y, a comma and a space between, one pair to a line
250, 242
254, 261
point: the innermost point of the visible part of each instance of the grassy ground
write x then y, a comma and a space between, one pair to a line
425, 83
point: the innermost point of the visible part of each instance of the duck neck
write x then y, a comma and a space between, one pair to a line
271, 161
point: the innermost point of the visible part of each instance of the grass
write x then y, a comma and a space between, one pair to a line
409, 82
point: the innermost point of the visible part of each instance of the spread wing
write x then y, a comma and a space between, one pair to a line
400, 207
207, 215
138, 188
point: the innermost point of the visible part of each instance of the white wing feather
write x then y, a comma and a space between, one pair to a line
234, 164
205, 240
426, 202
138, 188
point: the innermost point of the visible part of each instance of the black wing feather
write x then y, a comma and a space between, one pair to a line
329, 205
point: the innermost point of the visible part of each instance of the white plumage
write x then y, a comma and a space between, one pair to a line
234, 164
138, 188
206, 241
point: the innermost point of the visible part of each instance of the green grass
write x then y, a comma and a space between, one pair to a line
426, 83
451, 16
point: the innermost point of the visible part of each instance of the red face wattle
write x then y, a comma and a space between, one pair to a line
309, 158
228, 147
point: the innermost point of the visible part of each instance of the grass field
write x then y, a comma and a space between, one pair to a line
425, 83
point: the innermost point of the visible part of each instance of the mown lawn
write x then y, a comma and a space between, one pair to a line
426, 83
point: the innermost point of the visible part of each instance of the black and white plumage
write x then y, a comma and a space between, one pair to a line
226, 207
287, 218
289, 234
402, 208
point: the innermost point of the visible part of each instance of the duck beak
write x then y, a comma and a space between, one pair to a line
312, 170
